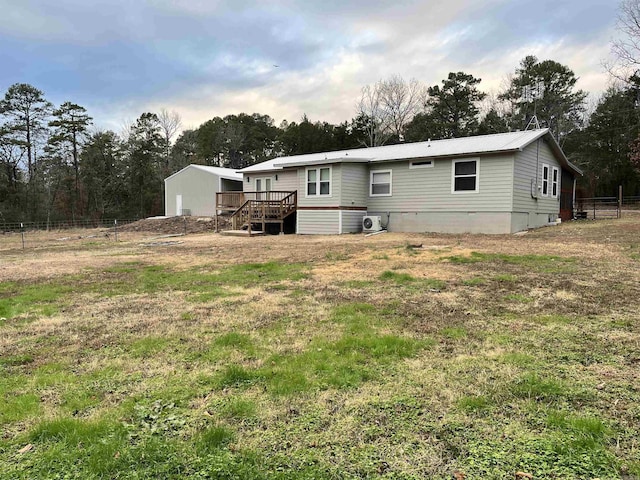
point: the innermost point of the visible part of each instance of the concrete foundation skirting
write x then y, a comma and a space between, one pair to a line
448, 222
338, 221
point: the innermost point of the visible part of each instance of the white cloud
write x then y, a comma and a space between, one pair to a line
209, 58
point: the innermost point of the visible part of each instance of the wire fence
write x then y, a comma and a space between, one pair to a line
6, 227
30, 235
595, 208
631, 203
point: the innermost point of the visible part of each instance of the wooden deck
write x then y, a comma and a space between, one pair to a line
253, 211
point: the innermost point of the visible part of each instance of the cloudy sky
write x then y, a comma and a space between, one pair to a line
204, 58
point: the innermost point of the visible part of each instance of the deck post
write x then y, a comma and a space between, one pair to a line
250, 217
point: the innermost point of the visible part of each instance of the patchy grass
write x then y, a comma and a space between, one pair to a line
405, 279
541, 263
474, 282
304, 357
30, 300
396, 277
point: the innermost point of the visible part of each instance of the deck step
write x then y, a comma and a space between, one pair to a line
241, 233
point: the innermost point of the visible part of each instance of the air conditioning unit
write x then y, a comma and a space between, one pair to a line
372, 223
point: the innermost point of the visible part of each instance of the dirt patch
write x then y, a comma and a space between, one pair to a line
176, 225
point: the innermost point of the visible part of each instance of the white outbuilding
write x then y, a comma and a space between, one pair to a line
192, 190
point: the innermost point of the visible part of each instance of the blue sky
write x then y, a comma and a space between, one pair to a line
204, 58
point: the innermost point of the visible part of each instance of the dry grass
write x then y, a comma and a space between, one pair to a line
333, 357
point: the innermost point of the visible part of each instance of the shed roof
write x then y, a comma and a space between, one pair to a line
480, 144
226, 173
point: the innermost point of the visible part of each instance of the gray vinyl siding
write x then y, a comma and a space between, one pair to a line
332, 200
198, 190
287, 180
525, 173
354, 185
352, 221
318, 222
429, 189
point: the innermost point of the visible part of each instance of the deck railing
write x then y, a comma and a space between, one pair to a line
231, 201
265, 207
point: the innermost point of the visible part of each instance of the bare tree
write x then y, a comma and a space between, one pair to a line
626, 49
125, 129
401, 100
170, 124
372, 115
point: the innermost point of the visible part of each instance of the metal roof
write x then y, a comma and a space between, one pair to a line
226, 173
480, 144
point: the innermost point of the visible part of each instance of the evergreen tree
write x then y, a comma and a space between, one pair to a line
144, 160
25, 111
547, 89
604, 150
451, 109
184, 151
70, 123
493, 122
103, 174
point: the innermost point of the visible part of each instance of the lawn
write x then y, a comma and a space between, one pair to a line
395, 356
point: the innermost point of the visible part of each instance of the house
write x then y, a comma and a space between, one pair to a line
192, 190
500, 183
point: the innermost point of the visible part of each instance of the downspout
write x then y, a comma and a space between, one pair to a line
534, 181
537, 167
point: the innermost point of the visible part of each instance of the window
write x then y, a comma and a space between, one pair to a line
421, 164
318, 181
545, 180
380, 184
554, 182
465, 176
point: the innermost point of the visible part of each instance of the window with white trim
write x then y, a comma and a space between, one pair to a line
421, 164
380, 183
465, 176
545, 180
319, 181
555, 181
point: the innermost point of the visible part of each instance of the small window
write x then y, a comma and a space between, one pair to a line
421, 164
545, 180
554, 182
380, 185
319, 181
465, 176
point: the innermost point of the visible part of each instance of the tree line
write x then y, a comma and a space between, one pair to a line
55, 166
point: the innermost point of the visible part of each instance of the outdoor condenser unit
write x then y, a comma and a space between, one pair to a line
372, 223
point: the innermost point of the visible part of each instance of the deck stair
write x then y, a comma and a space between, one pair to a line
252, 209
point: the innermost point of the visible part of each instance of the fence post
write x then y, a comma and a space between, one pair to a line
594, 208
115, 229
619, 201
22, 233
